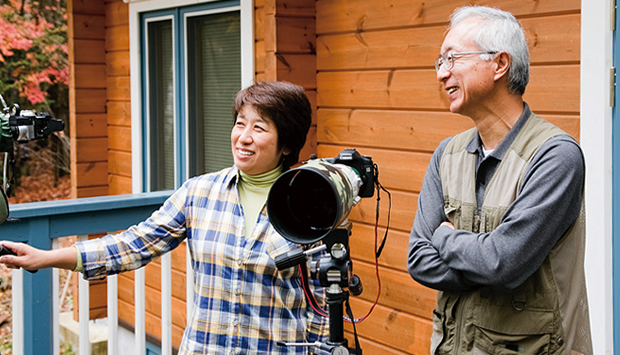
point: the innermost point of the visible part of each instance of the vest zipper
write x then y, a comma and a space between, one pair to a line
476, 226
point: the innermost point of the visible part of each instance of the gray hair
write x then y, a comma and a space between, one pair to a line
499, 31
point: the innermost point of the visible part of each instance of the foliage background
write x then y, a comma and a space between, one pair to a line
34, 54
34, 73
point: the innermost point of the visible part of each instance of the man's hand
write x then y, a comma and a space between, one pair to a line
447, 223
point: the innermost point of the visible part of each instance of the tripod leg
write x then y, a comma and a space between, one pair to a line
335, 301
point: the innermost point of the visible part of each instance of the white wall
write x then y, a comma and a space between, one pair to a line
596, 61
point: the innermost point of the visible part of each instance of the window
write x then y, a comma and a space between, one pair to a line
214, 56
191, 70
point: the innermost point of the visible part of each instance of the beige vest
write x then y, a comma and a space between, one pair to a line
548, 313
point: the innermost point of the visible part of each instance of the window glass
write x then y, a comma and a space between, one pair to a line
160, 105
213, 79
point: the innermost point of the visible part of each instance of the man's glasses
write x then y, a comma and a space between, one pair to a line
447, 59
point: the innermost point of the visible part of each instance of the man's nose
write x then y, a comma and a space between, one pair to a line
442, 73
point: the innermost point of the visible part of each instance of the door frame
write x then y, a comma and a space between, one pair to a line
597, 45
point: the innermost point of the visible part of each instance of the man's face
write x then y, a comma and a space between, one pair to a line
469, 83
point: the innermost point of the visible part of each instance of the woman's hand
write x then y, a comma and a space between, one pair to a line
32, 259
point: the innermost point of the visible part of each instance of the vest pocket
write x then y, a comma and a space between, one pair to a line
526, 332
490, 342
452, 211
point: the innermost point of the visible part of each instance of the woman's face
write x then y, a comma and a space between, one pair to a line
254, 141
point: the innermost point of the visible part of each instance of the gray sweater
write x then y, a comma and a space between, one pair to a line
546, 206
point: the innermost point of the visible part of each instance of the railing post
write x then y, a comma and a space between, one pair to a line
113, 348
38, 333
18, 310
139, 311
55, 306
166, 304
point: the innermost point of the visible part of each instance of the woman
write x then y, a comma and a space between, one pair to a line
242, 303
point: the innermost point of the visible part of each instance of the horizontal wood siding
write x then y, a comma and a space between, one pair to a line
285, 49
377, 91
119, 130
118, 101
87, 93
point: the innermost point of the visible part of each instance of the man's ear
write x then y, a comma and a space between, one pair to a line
502, 62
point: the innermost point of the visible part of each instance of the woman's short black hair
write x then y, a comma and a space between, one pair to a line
287, 106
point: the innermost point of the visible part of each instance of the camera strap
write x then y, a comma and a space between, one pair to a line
387, 228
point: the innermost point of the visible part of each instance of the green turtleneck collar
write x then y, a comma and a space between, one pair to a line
260, 181
253, 191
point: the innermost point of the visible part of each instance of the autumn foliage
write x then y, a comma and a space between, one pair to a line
34, 73
33, 52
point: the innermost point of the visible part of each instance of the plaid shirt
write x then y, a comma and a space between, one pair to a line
242, 303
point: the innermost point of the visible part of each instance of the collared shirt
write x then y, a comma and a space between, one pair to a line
242, 303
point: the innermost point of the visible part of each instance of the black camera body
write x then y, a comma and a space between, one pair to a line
26, 125
362, 164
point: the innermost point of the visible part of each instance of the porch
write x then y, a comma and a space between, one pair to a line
35, 296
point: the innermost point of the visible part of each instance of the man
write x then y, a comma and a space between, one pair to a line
499, 229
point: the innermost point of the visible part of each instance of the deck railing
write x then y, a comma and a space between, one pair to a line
35, 296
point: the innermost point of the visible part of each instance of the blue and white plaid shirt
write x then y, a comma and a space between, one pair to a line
242, 303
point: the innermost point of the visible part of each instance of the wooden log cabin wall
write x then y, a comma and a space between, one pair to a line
285, 42
367, 66
87, 98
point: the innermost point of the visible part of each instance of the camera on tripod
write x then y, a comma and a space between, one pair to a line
21, 126
310, 204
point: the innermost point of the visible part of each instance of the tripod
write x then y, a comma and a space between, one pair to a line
334, 273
